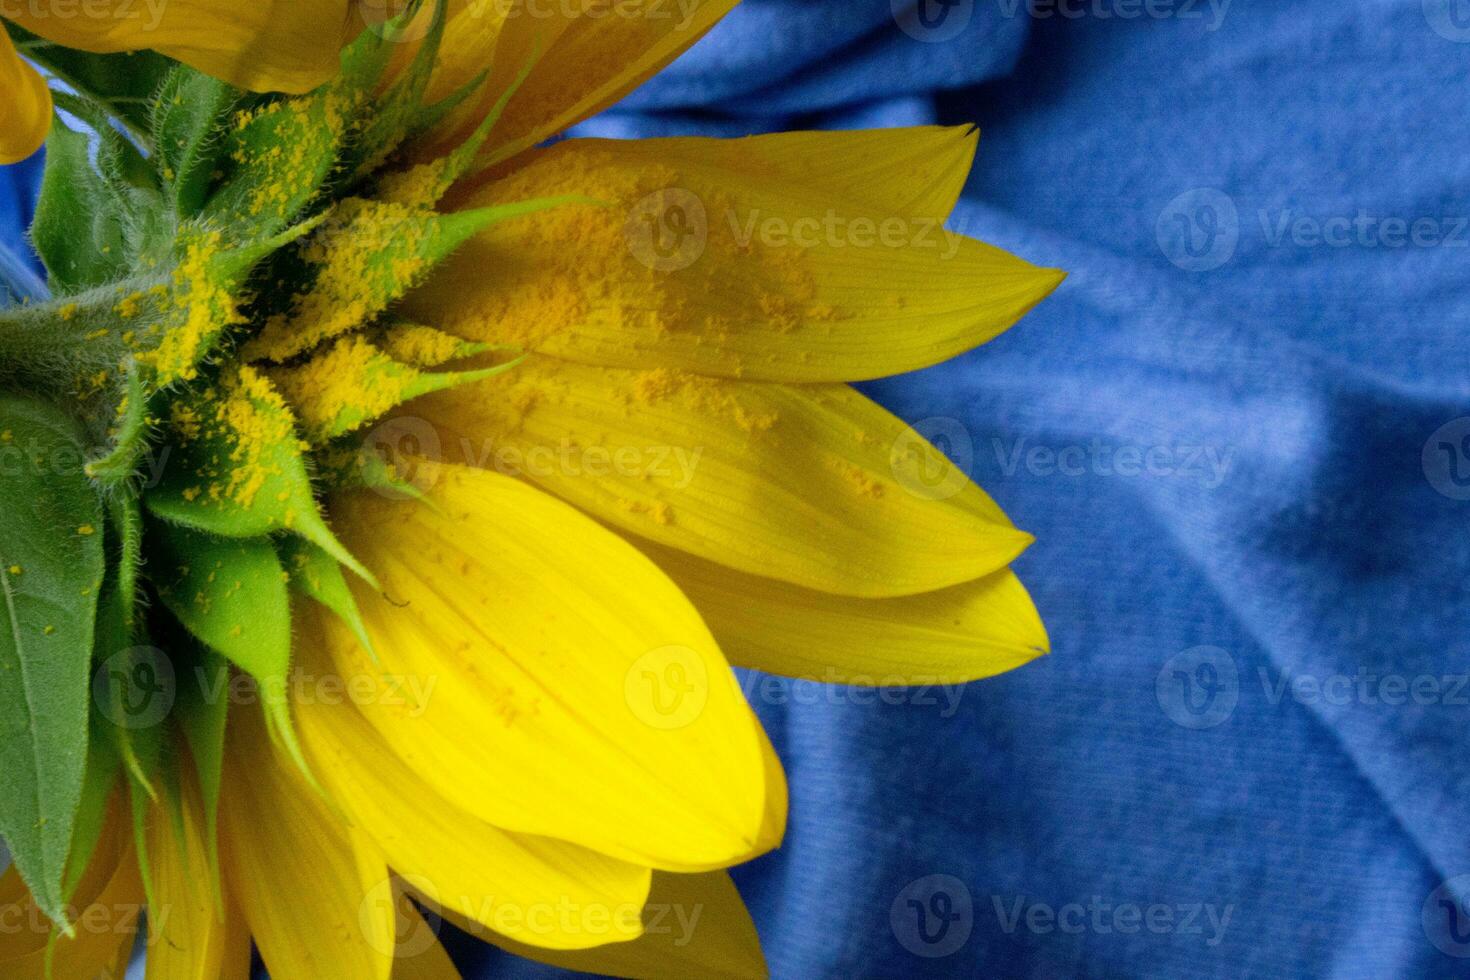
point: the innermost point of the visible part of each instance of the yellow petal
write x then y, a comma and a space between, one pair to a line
311, 888
189, 937
575, 692
25, 109
695, 926
512, 882
108, 902
952, 636
263, 45
587, 56
773, 822
775, 258
813, 485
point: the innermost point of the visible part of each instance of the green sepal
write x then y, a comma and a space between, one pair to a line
276, 157
232, 596
317, 575
140, 804
428, 347
349, 465
120, 162
431, 181
119, 464
188, 114
127, 669
351, 383
368, 255
239, 471
51, 568
395, 113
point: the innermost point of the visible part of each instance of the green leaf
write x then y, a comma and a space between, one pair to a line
190, 111
79, 227
51, 566
239, 471
123, 84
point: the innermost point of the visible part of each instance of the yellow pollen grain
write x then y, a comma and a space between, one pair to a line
352, 380
351, 282
129, 306
577, 279
421, 346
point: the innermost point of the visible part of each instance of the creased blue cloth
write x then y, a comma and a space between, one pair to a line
1239, 432
1232, 449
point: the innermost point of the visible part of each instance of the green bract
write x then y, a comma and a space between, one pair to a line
223, 268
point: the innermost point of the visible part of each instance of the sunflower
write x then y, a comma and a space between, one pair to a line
432, 476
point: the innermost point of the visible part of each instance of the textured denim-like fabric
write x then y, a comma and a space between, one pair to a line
1239, 432
1282, 554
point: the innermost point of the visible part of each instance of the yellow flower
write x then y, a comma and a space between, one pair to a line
262, 45
543, 737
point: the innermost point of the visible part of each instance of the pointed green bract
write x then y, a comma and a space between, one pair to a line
351, 383
230, 594
367, 254
277, 157
317, 575
189, 114
239, 469
51, 566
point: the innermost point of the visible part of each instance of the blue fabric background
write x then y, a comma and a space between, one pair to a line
1302, 520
